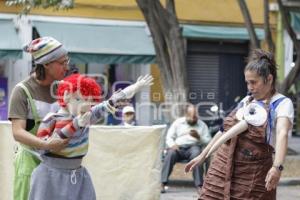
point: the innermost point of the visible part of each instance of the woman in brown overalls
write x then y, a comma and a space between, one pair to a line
243, 167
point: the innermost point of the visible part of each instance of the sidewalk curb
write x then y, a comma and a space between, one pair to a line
289, 181
182, 183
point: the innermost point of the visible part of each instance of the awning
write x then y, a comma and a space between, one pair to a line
113, 44
295, 21
219, 32
107, 44
10, 44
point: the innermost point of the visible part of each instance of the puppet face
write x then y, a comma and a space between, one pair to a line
255, 114
76, 104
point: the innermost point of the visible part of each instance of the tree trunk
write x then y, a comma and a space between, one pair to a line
294, 73
249, 25
268, 35
169, 47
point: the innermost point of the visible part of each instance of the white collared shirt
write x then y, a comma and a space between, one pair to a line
178, 133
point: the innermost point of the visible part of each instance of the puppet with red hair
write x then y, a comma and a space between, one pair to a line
80, 105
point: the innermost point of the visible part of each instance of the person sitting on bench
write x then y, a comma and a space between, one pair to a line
184, 139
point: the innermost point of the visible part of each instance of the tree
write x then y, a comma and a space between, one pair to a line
294, 73
249, 25
268, 35
169, 47
28, 5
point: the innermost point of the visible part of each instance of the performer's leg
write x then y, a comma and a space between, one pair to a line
206, 165
169, 161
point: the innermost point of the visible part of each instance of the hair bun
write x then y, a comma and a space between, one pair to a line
259, 54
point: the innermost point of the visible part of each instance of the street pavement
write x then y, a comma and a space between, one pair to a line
294, 144
189, 193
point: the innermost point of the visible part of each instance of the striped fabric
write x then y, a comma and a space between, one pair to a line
45, 50
66, 126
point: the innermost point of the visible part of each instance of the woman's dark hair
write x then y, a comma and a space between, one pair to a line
263, 63
40, 72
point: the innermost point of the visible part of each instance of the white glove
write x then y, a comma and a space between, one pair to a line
142, 81
84, 120
129, 92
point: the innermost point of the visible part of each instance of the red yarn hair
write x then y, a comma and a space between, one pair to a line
87, 87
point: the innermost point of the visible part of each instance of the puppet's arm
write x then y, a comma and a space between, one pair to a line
252, 114
214, 144
110, 105
238, 128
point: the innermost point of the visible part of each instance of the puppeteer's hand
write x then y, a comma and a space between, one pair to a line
84, 119
272, 178
56, 144
196, 161
141, 82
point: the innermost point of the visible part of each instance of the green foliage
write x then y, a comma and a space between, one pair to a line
29, 4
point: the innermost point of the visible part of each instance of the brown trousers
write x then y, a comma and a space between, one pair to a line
240, 166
